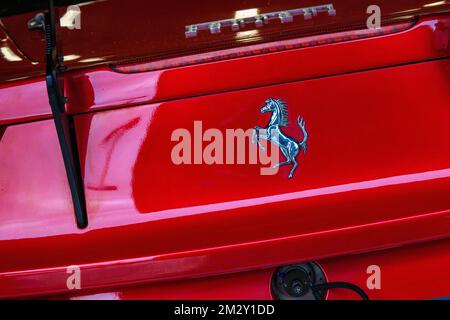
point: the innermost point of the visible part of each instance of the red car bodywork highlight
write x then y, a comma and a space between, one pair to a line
103, 88
102, 39
399, 268
376, 175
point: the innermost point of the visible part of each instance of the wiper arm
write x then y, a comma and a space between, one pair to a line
63, 121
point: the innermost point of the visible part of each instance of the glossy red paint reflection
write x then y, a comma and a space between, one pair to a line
429, 39
12, 60
376, 173
23, 101
402, 271
32, 170
410, 272
379, 150
103, 88
111, 32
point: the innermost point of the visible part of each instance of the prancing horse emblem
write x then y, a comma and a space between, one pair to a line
272, 132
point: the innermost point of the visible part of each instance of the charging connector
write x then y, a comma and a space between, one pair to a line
306, 281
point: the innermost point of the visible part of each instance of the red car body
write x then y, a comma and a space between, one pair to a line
373, 188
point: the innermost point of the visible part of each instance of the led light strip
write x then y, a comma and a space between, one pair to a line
259, 20
276, 46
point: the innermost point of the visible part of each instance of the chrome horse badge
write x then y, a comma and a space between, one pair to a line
272, 132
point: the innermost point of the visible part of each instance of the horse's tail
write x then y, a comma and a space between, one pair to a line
302, 125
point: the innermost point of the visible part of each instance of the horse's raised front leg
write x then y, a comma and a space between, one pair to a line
256, 136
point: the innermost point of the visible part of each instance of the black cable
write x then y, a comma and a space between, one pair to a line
337, 285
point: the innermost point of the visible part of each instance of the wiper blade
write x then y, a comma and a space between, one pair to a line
63, 121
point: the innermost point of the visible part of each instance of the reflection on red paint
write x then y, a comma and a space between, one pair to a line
376, 174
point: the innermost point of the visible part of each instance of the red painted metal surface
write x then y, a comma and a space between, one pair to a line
24, 101
112, 32
103, 88
410, 272
376, 173
14, 61
427, 40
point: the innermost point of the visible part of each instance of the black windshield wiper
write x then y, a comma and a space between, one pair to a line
63, 121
